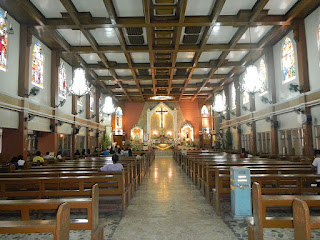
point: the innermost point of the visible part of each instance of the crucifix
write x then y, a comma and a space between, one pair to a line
161, 119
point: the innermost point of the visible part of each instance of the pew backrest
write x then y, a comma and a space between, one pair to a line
301, 220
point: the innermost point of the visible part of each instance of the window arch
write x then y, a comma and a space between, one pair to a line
62, 81
263, 77
204, 110
205, 119
118, 121
118, 111
233, 96
3, 43
288, 61
37, 65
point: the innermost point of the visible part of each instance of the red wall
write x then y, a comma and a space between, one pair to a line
191, 113
11, 144
47, 142
132, 112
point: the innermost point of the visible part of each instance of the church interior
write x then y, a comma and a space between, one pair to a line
212, 107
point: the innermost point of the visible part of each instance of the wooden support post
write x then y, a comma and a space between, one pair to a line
226, 92
253, 138
239, 144
274, 136
238, 105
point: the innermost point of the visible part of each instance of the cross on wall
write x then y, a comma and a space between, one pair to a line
161, 112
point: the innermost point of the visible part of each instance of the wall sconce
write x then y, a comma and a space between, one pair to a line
93, 116
298, 110
60, 123
10, 30
61, 103
29, 118
77, 130
80, 111
34, 91
294, 87
244, 108
265, 100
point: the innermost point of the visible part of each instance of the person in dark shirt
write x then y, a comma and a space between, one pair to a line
77, 153
83, 152
88, 151
111, 151
14, 161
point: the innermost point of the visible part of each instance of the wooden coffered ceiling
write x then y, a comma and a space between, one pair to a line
135, 49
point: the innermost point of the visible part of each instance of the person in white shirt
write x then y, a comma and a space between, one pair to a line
316, 164
47, 156
115, 167
20, 161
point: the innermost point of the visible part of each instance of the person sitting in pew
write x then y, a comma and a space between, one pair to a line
20, 161
111, 151
129, 154
88, 152
14, 161
38, 158
243, 153
47, 156
316, 164
140, 156
83, 152
77, 153
59, 155
115, 167
105, 152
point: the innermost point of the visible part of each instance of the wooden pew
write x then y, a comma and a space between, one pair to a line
59, 227
301, 220
260, 203
43, 187
90, 205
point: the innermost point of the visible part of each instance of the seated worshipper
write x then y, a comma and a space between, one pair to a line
111, 151
47, 156
243, 153
83, 152
105, 152
14, 161
119, 150
20, 161
140, 156
77, 153
59, 155
316, 164
129, 154
123, 151
88, 151
38, 158
115, 167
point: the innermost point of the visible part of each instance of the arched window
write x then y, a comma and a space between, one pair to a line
92, 101
79, 101
205, 119
263, 77
3, 43
118, 111
37, 65
62, 81
233, 97
204, 110
288, 61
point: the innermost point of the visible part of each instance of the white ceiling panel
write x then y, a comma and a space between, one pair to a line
256, 34
185, 56
236, 55
132, 90
132, 8
140, 57
105, 36
90, 58
201, 71
214, 80
277, 7
223, 70
232, 7
221, 34
207, 56
196, 7
49, 8
118, 57
123, 72
74, 37
103, 72
95, 7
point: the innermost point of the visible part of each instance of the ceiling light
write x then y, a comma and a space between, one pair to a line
219, 106
108, 107
79, 86
161, 98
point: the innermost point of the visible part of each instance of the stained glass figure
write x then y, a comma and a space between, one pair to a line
263, 77
288, 61
37, 65
3, 43
62, 81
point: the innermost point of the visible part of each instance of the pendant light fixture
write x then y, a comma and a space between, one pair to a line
219, 106
108, 107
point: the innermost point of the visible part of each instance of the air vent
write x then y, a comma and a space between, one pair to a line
134, 31
137, 40
190, 39
192, 30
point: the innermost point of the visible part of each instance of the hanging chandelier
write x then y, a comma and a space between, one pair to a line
219, 106
108, 107
251, 83
79, 86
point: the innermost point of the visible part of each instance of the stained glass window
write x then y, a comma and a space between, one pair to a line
233, 96
319, 40
118, 111
79, 101
224, 99
118, 121
263, 77
288, 61
205, 119
37, 65
3, 43
92, 101
62, 81
204, 110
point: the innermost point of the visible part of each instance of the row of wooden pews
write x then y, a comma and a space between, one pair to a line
71, 181
280, 182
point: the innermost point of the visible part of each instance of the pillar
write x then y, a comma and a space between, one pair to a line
226, 92
253, 138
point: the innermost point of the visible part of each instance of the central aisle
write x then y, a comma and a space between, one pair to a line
168, 206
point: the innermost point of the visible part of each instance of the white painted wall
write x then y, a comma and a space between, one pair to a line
312, 26
65, 129
245, 129
67, 107
9, 79
263, 126
9, 119
288, 121
39, 124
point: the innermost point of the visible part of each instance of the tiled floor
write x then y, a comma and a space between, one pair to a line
167, 205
